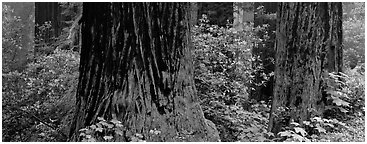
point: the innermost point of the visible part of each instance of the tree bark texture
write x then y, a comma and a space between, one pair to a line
136, 66
48, 11
308, 46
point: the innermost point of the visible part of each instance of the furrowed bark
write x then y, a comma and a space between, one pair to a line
136, 66
308, 46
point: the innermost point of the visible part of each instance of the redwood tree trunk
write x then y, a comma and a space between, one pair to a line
308, 45
136, 66
48, 11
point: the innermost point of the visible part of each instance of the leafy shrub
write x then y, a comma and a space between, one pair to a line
353, 33
223, 72
37, 97
36, 92
264, 52
345, 94
254, 124
11, 39
109, 131
222, 61
294, 133
337, 97
310, 130
103, 129
356, 86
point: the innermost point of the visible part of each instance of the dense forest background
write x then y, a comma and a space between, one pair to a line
234, 63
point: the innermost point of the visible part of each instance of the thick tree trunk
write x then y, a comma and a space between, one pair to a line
136, 66
308, 45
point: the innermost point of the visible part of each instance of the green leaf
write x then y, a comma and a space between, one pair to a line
261, 138
294, 123
343, 110
82, 134
270, 134
101, 119
157, 132
134, 139
83, 129
297, 137
340, 102
306, 139
88, 136
110, 125
300, 130
88, 131
326, 120
119, 132
99, 129
246, 130
253, 129
108, 137
285, 133
115, 121
139, 135
249, 135
307, 123
93, 127
104, 123
341, 123
119, 125
320, 129
330, 125
91, 140
334, 93
318, 119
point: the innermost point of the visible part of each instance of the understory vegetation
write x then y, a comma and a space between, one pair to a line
38, 101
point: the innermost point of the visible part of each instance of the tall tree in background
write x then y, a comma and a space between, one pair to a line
243, 13
194, 13
18, 35
218, 13
309, 38
48, 12
47, 30
136, 67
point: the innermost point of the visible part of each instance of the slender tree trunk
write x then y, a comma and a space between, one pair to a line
136, 67
194, 13
243, 12
308, 46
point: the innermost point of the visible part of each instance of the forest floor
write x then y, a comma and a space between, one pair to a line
354, 133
